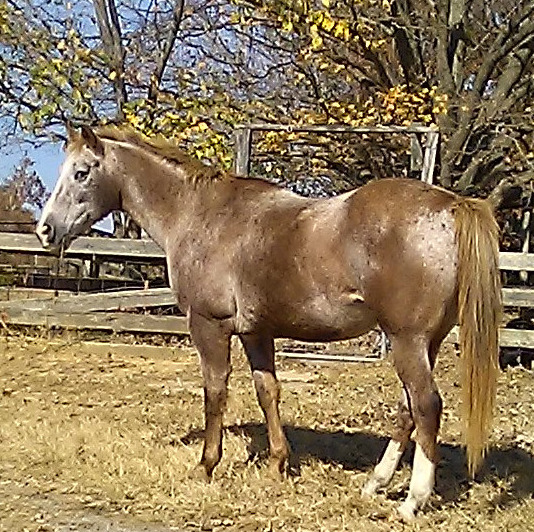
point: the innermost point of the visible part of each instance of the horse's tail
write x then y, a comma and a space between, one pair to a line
479, 312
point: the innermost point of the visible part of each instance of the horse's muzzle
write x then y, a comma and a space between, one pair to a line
50, 238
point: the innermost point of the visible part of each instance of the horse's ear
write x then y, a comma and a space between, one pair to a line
72, 134
92, 141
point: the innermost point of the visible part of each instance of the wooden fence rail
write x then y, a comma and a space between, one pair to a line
86, 247
147, 250
105, 311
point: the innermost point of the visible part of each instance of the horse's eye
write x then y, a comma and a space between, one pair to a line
81, 175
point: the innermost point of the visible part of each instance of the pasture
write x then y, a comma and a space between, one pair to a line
106, 437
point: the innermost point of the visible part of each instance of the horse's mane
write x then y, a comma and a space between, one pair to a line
163, 147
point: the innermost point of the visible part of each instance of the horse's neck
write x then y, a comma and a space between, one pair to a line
156, 194
167, 203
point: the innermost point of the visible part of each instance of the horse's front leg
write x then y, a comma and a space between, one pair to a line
212, 340
260, 353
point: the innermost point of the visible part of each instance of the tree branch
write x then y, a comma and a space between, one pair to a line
520, 29
506, 183
110, 31
163, 59
507, 80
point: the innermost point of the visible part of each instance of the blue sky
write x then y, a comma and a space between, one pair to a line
47, 160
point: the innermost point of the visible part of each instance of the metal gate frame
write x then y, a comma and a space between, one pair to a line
423, 154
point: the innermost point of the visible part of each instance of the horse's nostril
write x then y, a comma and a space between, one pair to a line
45, 233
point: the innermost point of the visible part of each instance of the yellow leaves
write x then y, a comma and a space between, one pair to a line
328, 24
240, 18
23, 121
341, 30
287, 26
377, 44
439, 110
403, 107
302, 5
81, 53
398, 106
326, 3
184, 120
3, 15
61, 45
317, 40
133, 120
92, 83
325, 21
112, 75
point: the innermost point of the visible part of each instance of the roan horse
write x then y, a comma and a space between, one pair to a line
248, 258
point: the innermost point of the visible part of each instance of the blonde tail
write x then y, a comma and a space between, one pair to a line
479, 311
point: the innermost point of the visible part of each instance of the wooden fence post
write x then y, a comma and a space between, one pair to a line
523, 274
243, 146
416, 152
429, 161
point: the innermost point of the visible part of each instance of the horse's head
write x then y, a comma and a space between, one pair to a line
84, 192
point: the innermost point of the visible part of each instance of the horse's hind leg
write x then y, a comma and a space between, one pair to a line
385, 469
213, 344
414, 363
260, 353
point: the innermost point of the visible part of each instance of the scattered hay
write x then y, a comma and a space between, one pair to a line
113, 438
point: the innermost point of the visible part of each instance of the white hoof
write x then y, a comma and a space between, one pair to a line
406, 512
370, 488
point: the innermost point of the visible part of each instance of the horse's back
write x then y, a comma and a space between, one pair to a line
330, 268
399, 197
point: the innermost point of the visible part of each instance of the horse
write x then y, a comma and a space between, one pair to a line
248, 258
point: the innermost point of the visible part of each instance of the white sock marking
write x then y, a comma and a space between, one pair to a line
421, 485
385, 469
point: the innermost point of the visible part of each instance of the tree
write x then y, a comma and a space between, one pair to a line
465, 65
25, 187
20, 194
195, 70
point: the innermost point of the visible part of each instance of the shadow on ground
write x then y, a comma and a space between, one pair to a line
361, 451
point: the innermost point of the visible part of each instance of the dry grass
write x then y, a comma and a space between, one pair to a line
106, 440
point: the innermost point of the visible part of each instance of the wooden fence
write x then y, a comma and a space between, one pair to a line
107, 310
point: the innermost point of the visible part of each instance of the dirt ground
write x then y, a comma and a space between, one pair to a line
105, 438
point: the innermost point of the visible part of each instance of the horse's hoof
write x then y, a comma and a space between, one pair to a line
200, 474
370, 488
406, 512
276, 470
